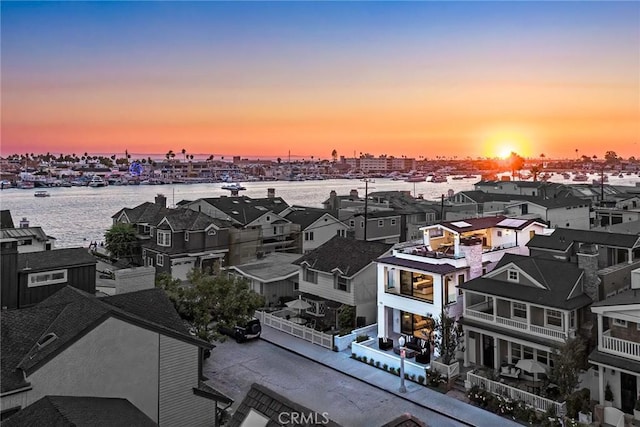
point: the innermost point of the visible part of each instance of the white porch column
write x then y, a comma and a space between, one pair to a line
425, 238
565, 323
456, 245
630, 253
382, 320
600, 332
496, 353
601, 384
466, 348
495, 307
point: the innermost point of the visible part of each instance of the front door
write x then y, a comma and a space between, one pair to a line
628, 384
487, 351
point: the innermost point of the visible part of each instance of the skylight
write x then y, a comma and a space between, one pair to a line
511, 222
461, 224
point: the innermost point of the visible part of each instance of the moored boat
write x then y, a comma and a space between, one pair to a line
42, 193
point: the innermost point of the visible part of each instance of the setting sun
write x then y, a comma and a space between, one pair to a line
501, 143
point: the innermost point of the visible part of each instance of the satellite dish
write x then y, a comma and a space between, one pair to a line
135, 169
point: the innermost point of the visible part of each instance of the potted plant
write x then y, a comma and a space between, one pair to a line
608, 395
636, 409
584, 414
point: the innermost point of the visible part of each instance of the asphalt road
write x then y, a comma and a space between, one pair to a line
233, 367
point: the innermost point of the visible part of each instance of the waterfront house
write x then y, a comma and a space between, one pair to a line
317, 226
264, 216
420, 278
617, 355
132, 346
29, 278
341, 272
274, 276
175, 241
30, 239
523, 309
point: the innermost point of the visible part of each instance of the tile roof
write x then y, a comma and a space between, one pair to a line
348, 255
418, 265
271, 404
56, 258
69, 314
558, 279
74, 411
563, 236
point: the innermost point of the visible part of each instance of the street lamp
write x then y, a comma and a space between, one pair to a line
401, 343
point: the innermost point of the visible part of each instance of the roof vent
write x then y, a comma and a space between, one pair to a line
46, 340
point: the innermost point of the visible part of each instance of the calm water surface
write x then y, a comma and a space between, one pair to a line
77, 215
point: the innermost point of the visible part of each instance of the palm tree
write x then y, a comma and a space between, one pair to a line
535, 171
334, 155
184, 154
576, 153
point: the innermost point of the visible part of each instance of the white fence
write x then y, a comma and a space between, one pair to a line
390, 359
449, 371
620, 347
537, 402
300, 331
343, 342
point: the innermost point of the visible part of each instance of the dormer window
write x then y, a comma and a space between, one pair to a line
342, 283
164, 238
513, 276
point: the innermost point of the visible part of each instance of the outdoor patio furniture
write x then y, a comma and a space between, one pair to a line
613, 417
509, 371
385, 343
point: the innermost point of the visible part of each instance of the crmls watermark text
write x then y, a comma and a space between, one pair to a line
302, 418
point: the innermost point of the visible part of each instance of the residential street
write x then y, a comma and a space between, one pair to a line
232, 368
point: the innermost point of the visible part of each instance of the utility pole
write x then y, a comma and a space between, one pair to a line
442, 208
366, 205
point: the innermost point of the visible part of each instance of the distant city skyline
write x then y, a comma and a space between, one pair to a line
260, 79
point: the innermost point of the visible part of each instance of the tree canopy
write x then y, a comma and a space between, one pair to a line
120, 240
204, 299
568, 359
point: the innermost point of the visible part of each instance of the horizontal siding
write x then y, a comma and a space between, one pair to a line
325, 289
179, 406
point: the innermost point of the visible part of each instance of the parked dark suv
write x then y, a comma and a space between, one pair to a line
251, 330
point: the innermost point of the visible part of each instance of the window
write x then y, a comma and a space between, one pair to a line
450, 290
352, 223
393, 221
25, 242
311, 276
527, 352
342, 283
186, 236
164, 238
619, 322
341, 233
160, 260
513, 275
390, 272
308, 235
381, 223
460, 282
499, 233
554, 318
572, 319
46, 278
361, 224
519, 310
543, 357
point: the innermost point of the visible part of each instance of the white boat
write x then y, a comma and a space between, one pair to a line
42, 193
233, 186
438, 178
416, 178
97, 181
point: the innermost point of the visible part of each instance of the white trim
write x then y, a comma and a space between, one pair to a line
166, 236
33, 283
515, 279
160, 260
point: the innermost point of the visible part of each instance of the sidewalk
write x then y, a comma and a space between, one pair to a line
417, 394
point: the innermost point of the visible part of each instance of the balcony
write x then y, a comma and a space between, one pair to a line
474, 312
620, 347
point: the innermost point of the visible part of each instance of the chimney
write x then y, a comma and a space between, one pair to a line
9, 273
271, 193
588, 262
24, 223
161, 200
353, 193
334, 202
471, 247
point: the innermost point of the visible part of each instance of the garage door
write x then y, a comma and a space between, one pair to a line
179, 269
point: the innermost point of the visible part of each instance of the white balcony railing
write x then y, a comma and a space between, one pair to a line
555, 334
620, 347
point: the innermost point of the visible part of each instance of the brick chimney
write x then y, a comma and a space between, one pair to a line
24, 222
161, 200
471, 247
9, 273
271, 193
354, 194
588, 262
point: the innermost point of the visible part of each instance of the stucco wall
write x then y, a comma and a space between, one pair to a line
116, 359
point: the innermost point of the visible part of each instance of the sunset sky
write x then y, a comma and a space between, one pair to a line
263, 79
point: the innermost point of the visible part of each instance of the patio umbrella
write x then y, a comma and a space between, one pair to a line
532, 366
298, 304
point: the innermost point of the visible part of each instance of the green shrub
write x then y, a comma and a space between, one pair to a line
421, 379
378, 364
353, 355
364, 359
385, 367
361, 338
413, 377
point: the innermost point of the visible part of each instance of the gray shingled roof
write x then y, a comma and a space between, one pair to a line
72, 411
180, 219
274, 266
630, 296
627, 364
47, 260
306, 216
557, 277
563, 236
549, 202
69, 313
348, 255
245, 209
271, 405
